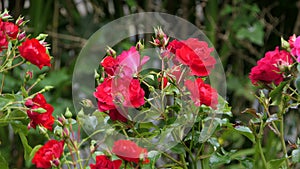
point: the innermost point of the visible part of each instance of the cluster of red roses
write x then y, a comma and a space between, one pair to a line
274, 66
197, 56
121, 86
8, 31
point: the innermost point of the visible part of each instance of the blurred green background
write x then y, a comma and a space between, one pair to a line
240, 30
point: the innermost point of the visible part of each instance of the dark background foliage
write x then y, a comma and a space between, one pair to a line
240, 30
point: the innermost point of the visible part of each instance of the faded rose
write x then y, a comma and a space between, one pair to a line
130, 151
44, 119
48, 155
267, 70
103, 162
202, 93
34, 52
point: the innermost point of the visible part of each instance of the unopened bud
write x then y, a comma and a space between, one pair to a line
68, 113
139, 46
110, 52
66, 133
5, 15
87, 103
55, 163
20, 21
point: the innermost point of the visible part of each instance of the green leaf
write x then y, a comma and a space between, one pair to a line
217, 159
246, 132
254, 33
275, 163
3, 162
296, 155
276, 94
26, 146
178, 149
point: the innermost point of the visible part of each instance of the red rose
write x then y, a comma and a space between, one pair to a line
267, 70
128, 92
44, 119
104, 95
202, 93
114, 115
49, 154
195, 54
110, 64
3, 41
10, 29
103, 162
130, 151
35, 53
174, 45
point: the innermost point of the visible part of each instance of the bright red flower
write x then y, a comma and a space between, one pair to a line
35, 53
104, 95
10, 29
3, 41
195, 54
49, 154
267, 70
103, 162
44, 119
202, 93
114, 115
110, 64
130, 151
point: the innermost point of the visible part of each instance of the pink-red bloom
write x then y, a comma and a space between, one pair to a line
295, 46
202, 93
48, 155
44, 119
195, 54
128, 92
130, 63
34, 52
103, 162
268, 70
130, 151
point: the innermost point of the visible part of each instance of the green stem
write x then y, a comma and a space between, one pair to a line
262, 153
183, 160
282, 141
